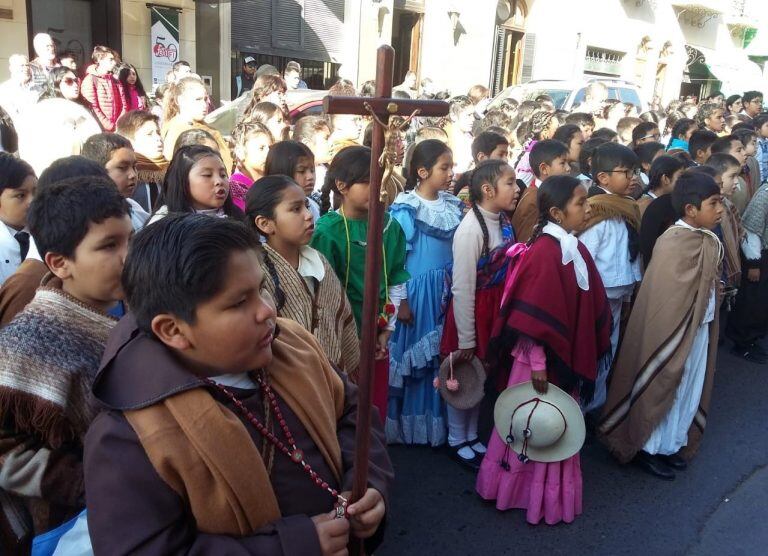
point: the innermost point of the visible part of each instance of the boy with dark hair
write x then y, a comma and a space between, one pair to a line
276, 444
646, 132
606, 133
490, 145
761, 128
50, 352
726, 171
547, 158
753, 103
749, 320
116, 154
612, 237
17, 189
750, 171
730, 144
700, 145
585, 160
660, 389
586, 123
142, 129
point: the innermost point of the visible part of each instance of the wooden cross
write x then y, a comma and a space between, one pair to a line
381, 107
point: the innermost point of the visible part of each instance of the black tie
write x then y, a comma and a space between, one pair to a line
23, 239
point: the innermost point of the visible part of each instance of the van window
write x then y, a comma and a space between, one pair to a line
559, 96
630, 95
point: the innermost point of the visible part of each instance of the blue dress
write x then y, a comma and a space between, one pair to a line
416, 411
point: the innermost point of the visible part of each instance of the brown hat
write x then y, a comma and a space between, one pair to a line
461, 382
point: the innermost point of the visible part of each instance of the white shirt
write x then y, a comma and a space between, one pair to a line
10, 251
311, 267
139, 216
608, 243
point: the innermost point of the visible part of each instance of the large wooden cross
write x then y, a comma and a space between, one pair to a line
381, 107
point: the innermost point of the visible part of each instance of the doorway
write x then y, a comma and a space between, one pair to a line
76, 25
406, 40
507, 50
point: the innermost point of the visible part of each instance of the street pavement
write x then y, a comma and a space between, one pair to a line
718, 506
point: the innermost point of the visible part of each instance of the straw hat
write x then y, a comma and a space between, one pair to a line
540, 427
461, 382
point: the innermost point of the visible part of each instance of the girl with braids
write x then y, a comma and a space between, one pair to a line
196, 181
295, 159
477, 275
252, 142
429, 216
186, 105
300, 279
341, 236
541, 126
553, 327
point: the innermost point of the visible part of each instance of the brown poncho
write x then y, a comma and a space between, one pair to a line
669, 309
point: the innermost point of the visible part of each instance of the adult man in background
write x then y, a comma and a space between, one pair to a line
19, 91
243, 82
46, 60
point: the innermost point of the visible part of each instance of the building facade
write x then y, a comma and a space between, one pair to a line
668, 47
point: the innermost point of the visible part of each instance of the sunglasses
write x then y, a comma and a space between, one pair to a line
70, 80
251, 64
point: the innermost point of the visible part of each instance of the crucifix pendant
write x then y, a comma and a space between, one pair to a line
341, 507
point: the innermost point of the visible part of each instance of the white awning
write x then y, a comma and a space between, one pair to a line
734, 70
759, 45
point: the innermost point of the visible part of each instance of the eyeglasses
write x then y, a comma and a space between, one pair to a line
756, 101
655, 137
628, 173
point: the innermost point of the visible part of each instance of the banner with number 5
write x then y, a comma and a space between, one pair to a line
165, 42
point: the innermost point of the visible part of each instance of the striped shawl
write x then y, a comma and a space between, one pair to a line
669, 309
327, 314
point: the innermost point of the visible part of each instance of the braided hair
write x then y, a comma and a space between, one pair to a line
555, 192
351, 165
261, 200
487, 172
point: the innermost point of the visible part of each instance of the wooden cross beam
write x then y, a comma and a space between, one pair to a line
382, 107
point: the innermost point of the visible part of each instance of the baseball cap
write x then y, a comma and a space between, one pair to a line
249, 60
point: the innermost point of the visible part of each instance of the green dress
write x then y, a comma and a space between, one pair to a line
330, 238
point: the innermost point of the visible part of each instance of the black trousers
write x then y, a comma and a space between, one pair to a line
748, 322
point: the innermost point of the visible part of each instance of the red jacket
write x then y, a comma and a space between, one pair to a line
106, 96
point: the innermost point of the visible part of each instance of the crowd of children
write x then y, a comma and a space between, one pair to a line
179, 305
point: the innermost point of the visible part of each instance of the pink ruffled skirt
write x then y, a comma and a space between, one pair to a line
548, 491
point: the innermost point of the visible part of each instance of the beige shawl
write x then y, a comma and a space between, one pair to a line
669, 309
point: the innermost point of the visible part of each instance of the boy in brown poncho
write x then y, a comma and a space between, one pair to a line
659, 393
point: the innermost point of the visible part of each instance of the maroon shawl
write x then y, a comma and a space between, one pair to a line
543, 302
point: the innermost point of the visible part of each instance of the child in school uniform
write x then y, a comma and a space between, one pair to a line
726, 170
49, 355
659, 393
295, 160
17, 189
479, 267
662, 175
749, 321
342, 235
429, 216
612, 236
116, 154
142, 129
700, 145
225, 430
547, 158
732, 145
488, 145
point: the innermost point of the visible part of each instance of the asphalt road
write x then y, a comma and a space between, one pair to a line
719, 506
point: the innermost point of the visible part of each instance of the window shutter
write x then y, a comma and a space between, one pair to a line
288, 24
324, 31
251, 24
529, 51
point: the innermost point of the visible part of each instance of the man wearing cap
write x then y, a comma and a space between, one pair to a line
243, 82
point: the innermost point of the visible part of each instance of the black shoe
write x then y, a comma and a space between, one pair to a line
674, 461
654, 466
471, 443
750, 354
472, 464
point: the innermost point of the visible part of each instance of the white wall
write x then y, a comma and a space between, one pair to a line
457, 65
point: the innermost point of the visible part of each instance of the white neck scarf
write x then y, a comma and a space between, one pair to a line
569, 246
